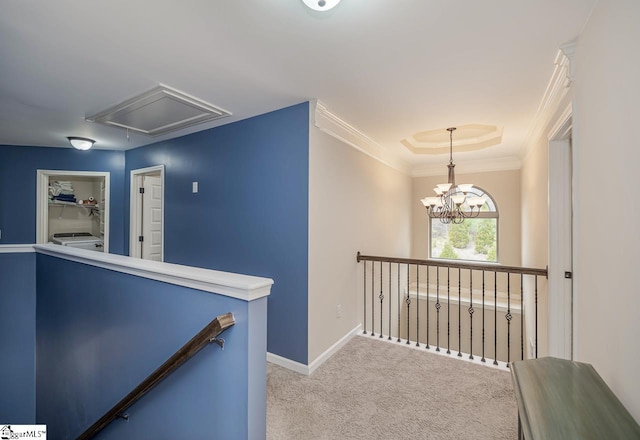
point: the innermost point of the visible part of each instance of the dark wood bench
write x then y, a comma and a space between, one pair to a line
560, 399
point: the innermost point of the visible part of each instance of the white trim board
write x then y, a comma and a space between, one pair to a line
134, 219
557, 89
502, 365
16, 248
340, 129
42, 201
313, 366
243, 287
477, 166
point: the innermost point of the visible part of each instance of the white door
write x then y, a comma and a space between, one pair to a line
151, 218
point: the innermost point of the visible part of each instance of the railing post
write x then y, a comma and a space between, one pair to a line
437, 308
373, 302
364, 291
471, 314
417, 306
399, 302
389, 338
381, 299
408, 301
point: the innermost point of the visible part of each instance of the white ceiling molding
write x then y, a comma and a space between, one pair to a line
337, 127
558, 87
475, 166
159, 111
468, 137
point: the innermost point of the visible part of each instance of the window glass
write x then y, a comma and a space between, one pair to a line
475, 239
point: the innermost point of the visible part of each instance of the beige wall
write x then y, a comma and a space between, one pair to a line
607, 210
355, 204
504, 187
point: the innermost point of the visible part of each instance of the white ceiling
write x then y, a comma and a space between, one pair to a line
390, 68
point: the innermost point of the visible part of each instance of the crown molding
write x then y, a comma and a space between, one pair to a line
557, 89
337, 127
476, 166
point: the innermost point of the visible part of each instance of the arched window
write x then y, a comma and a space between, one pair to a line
475, 239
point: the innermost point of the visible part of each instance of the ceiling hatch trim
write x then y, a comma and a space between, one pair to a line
159, 111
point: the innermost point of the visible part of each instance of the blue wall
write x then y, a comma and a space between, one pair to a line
251, 212
18, 166
17, 338
99, 333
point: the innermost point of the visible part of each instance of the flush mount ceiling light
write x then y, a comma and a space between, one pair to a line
321, 5
80, 143
451, 204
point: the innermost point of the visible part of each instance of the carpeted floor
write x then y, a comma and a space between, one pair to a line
374, 390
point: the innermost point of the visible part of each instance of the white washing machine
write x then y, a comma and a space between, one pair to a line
82, 240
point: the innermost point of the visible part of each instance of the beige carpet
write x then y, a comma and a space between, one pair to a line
374, 390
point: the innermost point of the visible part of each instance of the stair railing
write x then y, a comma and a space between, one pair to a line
437, 303
207, 335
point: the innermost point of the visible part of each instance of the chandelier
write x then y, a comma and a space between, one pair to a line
451, 204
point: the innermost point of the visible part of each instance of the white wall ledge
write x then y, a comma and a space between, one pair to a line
16, 248
243, 287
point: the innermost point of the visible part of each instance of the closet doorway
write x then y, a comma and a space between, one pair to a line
146, 232
72, 208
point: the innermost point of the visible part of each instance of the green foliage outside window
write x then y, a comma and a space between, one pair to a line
448, 252
485, 236
459, 235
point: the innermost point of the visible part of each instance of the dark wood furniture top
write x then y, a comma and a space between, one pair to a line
561, 399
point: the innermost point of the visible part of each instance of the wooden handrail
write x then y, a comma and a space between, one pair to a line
204, 337
456, 265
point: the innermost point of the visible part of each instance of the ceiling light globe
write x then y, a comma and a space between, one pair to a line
321, 5
80, 143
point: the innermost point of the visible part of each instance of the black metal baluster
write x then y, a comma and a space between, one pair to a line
521, 316
448, 311
381, 299
408, 301
459, 315
471, 314
364, 290
483, 333
495, 318
536, 307
428, 302
417, 305
389, 338
399, 303
373, 302
508, 318
437, 308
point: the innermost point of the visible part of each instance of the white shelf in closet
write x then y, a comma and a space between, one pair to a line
78, 205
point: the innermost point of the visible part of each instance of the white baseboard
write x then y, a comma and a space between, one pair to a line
313, 366
309, 369
288, 364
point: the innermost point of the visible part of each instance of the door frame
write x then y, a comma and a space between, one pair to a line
42, 201
135, 221
561, 290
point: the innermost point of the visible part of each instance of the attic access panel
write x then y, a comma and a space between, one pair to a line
159, 111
